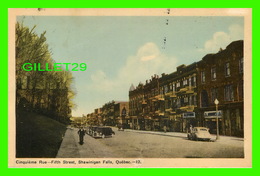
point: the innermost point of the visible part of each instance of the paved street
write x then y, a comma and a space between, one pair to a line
148, 144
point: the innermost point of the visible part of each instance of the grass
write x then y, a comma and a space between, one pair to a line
37, 136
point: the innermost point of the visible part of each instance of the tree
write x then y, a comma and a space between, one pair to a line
47, 92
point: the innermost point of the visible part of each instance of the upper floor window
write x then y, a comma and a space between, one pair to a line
203, 77
165, 88
189, 81
190, 100
227, 69
185, 82
229, 93
161, 90
178, 103
195, 100
194, 81
213, 73
214, 94
173, 87
204, 98
186, 99
241, 65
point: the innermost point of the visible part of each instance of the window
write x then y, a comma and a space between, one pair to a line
178, 84
204, 98
185, 82
241, 65
178, 103
170, 87
194, 81
241, 90
186, 99
166, 89
214, 94
203, 77
195, 100
173, 87
190, 100
213, 73
229, 93
189, 81
161, 90
227, 69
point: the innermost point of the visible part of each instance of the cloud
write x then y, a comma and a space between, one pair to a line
222, 39
147, 61
100, 82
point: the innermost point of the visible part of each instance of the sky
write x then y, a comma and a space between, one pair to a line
125, 50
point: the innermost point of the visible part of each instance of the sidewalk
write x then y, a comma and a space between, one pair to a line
68, 148
184, 135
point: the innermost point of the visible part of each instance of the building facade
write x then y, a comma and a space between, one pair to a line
220, 77
166, 103
184, 98
110, 114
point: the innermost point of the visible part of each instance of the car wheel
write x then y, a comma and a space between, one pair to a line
196, 138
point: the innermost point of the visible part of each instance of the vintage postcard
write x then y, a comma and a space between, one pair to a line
130, 88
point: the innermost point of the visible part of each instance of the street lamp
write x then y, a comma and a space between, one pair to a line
216, 103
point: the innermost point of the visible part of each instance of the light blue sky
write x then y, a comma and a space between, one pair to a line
124, 50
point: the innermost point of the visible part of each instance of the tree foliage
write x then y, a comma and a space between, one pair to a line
48, 92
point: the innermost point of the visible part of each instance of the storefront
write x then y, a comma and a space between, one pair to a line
189, 119
210, 121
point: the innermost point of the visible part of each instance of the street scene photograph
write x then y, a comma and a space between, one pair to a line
122, 87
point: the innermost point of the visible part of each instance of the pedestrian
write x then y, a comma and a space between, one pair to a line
81, 134
190, 128
164, 128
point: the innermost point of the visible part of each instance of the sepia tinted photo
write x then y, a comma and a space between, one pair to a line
126, 87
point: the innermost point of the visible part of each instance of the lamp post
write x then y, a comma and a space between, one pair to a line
216, 103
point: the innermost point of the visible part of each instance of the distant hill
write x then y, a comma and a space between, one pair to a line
37, 136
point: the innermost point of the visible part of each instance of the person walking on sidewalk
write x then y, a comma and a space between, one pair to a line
81, 134
165, 128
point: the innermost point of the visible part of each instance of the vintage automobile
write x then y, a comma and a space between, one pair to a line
120, 127
91, 130
199, 133
102, 132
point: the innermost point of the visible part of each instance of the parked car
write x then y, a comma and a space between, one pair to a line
103, 132
120, 127
92, 130
199, 133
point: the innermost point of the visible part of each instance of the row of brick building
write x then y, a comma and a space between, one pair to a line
186, 97
110, 114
